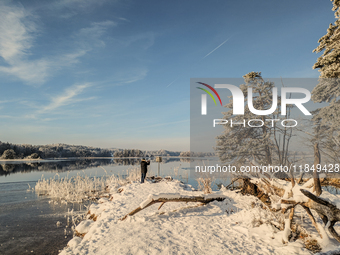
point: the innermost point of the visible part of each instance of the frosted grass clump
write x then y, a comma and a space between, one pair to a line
73, 189
132, 175
78, 188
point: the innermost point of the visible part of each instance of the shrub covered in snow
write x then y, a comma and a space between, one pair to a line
79, 188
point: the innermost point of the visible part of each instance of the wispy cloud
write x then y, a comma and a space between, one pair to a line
7, 117
69, 8
78, 4
126, 77
37, 72
66, 98
95, 31
18, 32
136, 77
31, 72
142, 40
9, 101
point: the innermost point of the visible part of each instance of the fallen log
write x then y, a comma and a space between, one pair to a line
163, 200
323, 207
326, 210
253, 189
274, 193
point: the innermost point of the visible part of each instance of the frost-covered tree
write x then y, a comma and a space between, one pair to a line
241, 141
34, 156
9, 154
327, 119
329, 62
185, 154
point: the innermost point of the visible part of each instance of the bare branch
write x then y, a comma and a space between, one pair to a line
200, 199
333, 232
317, 160
311, 217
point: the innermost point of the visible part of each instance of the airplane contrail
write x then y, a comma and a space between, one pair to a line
172, 82
216, 48
203, 58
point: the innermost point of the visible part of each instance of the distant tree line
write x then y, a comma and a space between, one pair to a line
128, 153
196, 154
138, 153
165, 153
27, 151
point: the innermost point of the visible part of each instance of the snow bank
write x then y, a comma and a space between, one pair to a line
74, 242
231, 226
298, 196
84, 226
286, 231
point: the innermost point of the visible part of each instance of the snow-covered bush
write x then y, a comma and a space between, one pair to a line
204, 184
79, 188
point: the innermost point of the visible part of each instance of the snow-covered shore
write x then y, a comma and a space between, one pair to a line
228, 227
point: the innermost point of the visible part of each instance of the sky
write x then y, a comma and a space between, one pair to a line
116, 74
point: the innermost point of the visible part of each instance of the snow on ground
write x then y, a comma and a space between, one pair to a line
227, 227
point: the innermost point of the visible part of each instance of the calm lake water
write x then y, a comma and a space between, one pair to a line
28, 222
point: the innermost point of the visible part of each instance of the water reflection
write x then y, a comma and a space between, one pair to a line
69, 165
177, 167
55, 166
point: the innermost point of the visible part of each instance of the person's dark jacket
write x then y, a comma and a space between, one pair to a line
144, 166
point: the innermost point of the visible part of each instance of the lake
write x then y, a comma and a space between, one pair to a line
33, 224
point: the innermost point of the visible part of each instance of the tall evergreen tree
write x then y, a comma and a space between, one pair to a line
329, 62
327, 119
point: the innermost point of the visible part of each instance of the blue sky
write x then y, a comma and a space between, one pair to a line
117, 73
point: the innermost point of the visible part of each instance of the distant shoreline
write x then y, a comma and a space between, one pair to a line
76, 158
52, 159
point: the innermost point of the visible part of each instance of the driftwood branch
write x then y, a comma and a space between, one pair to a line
288, 202
333, 232
318, 200
292, 179
311, 217
161, 205
317, 160
327, 211
301, 178
199, 199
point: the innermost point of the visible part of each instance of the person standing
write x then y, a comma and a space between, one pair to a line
144, 169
